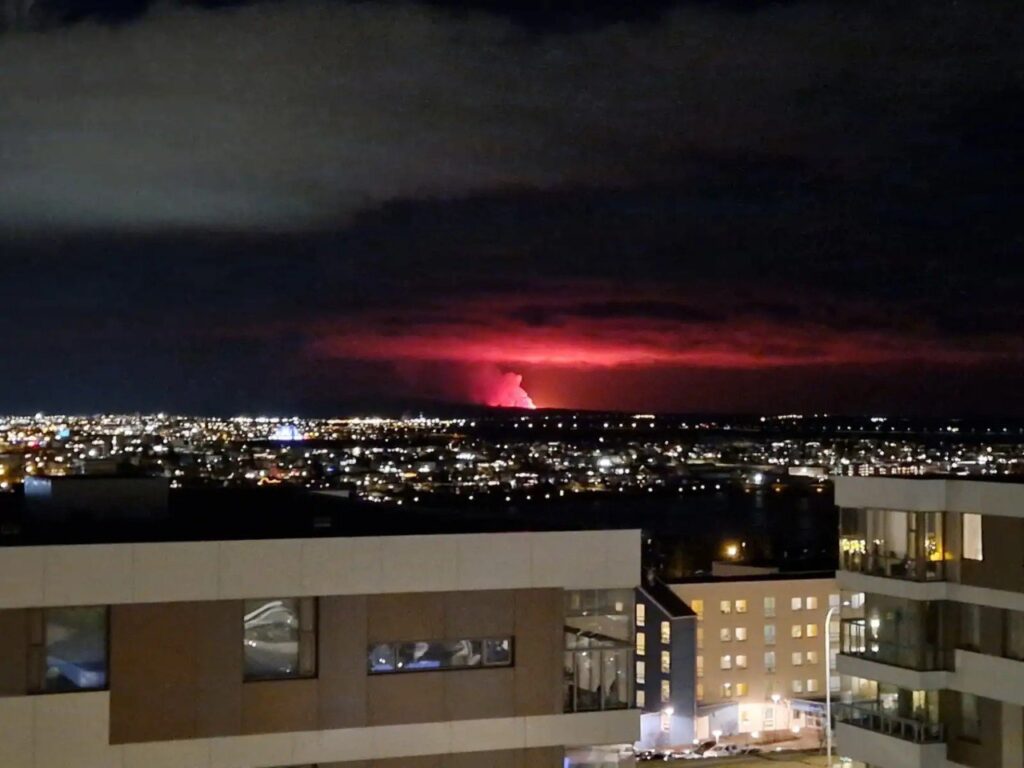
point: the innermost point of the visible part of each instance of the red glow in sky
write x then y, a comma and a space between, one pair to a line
555, 339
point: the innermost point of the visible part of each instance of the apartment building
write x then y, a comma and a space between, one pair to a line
760, 660
447, 650
932, 661
666, 632
740, 652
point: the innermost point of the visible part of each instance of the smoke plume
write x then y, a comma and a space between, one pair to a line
500, 389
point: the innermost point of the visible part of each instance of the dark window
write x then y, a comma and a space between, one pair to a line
970, 719
433, 655
279, 637
68, 649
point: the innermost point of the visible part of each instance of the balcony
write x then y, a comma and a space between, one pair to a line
854, 556
876, 738
870, 717
856, 640
892, 544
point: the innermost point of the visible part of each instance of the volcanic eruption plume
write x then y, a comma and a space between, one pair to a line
500, 389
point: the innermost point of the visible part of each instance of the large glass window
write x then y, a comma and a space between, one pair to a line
279, 638
68, 649
599, 647
900, 632
892, 543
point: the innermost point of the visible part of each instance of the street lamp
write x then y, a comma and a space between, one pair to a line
828, 679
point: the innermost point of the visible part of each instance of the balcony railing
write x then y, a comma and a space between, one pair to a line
868, 715
888, 565
856, 640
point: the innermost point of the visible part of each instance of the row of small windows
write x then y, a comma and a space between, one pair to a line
728, 634
809, 603
728, 690
68, 647
797, 658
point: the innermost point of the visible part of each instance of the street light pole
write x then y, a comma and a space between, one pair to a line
828, 681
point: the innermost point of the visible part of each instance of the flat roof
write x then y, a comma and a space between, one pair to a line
280, 513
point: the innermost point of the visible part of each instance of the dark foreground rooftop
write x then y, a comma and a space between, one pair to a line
265, 513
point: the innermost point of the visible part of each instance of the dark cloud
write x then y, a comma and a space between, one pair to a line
194, 198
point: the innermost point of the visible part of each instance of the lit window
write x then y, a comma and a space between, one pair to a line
769, 607
741, 689
700, 691
769, 661
70, 649
666, 633
833, 601
726, 690
700, 666
725, 606
666, 662
857, 600
725, 662
435, 655
741, 661
641, 644
798, 686
797, 631
741, 633
812, 685
769, 634
812, 630
835, 682
741, 606
973, 549
279, 638
641, 699
666, 722
796, 603
698, 608
798, 658
812, 657
700, 638
641, 614
811, 603
641, 672
666, 691
769, 718
725, 634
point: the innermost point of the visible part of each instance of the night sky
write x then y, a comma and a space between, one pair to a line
329, 207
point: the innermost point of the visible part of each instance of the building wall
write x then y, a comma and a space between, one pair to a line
760, 683
177, 695
176, 669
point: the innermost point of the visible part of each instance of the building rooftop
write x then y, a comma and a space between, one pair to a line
264, 513
669, 601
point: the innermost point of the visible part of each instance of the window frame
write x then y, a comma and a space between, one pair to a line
307, 642
36, 651
510, 639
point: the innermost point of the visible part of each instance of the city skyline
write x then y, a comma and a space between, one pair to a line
719, 207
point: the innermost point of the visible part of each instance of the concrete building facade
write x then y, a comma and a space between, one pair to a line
932, 655
760, 661
512, 650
